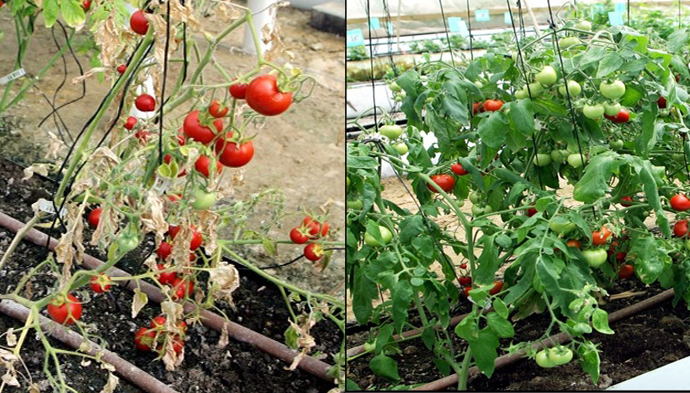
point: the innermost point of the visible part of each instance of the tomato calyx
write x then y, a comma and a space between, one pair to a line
100, 283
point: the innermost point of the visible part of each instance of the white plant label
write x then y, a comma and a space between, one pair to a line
47, 206
12, 76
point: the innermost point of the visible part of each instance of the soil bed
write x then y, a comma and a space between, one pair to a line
237, 367
641, 343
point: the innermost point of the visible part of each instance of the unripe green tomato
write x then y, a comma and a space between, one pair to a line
678, 157
394, 87
541, 159
521, 94
536, 89
429, 100
488, 209
558, 156
593, 111
460, 203
562, 228
392, 131
347, 182
475, 197
355, 204
477, 210
478, 84
583, 25
567, 42
386, 235
401, 148
612, 108
543, 360
547, 76
514, 55
203, 200
560, 355
573, 87
613, 90
687, 244
576, 160
617, 144
596, 257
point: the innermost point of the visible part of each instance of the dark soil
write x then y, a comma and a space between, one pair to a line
641, 343
237, 367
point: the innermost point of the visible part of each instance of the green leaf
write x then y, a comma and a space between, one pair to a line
593, 56
501, 308
270, 246
588, 356
467, 329
600, 321
351, 386
384, 367
51, 11
72, 12
522, 115
363, 292
550, 107
410, 227
488, 261
500, 325
611, 62
677, 40
384, 335
650, 130
492, 130
402, 296
484, 351
649, 261
594, 183
632, 96
291, 337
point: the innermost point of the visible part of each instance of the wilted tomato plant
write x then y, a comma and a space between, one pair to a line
160, 177
600, 111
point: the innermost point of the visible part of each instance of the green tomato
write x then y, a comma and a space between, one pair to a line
429, 100
562, 227
617, 144
568, 42
560, 355
543, 360
593, 111
477, 210
573, 87
521, 94
487, 210
356, 204
385, 234
203, 200
394, 87
401, 148
347, 181
613, 90
547, 76
514, 55
678, 157
583, 25
536, 89
391, 131
687, 244
127, 242
576, 160
558, 156
612, 108
541, 159
475, 197
596, 257
478, 84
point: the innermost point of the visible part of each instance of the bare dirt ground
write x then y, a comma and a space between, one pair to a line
300, 152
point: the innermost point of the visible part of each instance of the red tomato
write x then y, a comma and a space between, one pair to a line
531, 211
492, 105
216, 110
498, 286
181, 138
620, 256
145, 103
174, 197
173, 230
157, 321
661, 102
477, 107
131, 122
139, 23
100, 283
458, 169
446, 182
626, 271
121, 68
681, 228
313, 252
680, 202
95, 217
164, 250
315, 227
239, 90
467, 290
202, 163
677, 77
166, 278
264, 96
600, 237
625, 201
463, 266
182, 288
574, 243
623, 116
465, 281
65, 311
178, 344
197, 239
144, 339
194, 129
232, 156
86, 5
142, 135
298, 237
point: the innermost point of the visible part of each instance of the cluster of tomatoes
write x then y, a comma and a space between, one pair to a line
310, 231
445, 181
466, 283
66, 310
157, 336
393, 133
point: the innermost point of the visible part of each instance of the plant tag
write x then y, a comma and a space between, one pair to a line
355, 38
16, 74
47, 206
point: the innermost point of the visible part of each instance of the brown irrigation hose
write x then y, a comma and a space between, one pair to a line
129, 371
212, 320
560, 338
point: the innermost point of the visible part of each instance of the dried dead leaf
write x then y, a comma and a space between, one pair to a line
41, 169
140, 300
112, 383
10, 337
224, 280
224, 337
